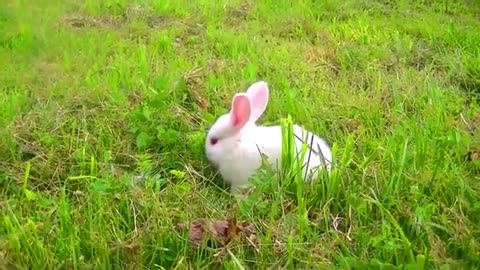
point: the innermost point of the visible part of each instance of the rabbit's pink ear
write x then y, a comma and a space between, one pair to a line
258, 95
241, 110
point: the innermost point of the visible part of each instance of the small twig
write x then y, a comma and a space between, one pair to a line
135, 230
470, 126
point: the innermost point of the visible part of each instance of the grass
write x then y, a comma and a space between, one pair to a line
105, 106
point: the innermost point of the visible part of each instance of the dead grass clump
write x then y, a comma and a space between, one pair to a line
60, 143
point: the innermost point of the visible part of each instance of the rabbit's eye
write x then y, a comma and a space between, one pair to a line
213, 141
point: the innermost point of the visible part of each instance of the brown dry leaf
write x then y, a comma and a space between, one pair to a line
248, 229
249, 232
219, 230
196, 232
233, 229
474, 156
222, 231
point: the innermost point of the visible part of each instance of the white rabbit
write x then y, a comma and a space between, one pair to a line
234, 140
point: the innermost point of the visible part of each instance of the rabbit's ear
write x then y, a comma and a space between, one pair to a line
258, 95
241, 110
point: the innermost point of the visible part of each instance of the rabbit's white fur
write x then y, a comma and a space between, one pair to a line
234, 140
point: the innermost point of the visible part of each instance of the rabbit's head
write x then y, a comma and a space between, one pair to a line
225, 135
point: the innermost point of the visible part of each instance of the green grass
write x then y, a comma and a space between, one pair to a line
105, 106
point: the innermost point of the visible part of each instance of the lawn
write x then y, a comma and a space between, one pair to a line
105, 107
